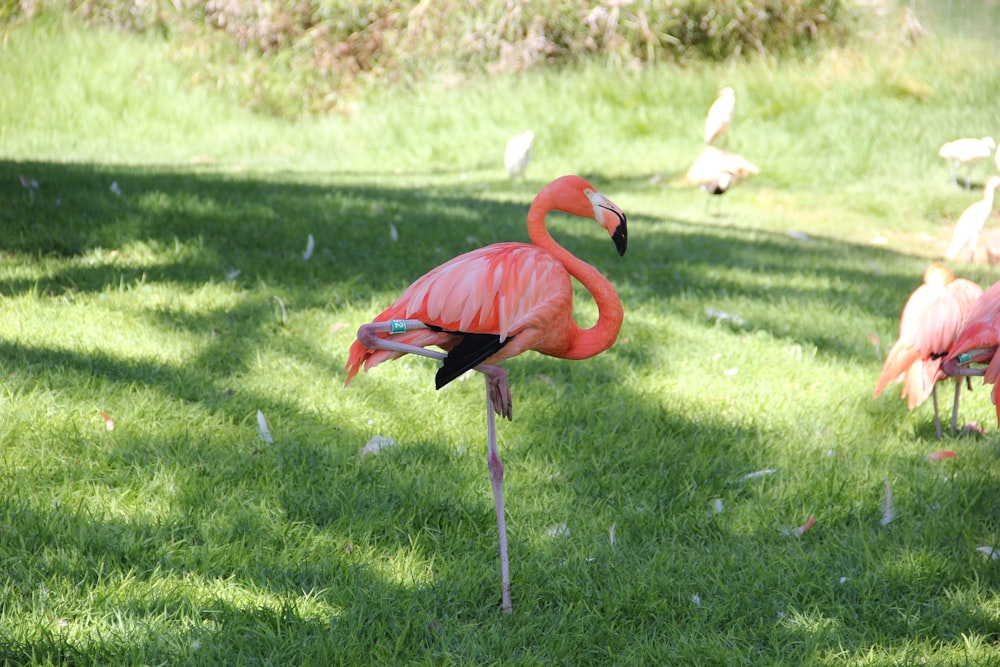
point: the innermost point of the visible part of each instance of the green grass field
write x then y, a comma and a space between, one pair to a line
155, 277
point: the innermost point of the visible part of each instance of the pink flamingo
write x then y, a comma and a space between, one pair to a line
930, 323
491, 304
977, 343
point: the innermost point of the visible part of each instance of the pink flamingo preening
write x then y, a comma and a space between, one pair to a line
931, 320
494, 303
977, 343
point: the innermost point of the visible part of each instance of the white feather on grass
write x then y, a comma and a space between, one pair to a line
888, 511
265, 432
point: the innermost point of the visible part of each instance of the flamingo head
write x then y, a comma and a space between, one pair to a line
574, 195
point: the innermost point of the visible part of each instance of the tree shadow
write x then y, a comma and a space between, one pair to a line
187, 229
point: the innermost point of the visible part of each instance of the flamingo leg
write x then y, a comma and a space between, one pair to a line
498, 401
954, 367
368, 335
496, 479
954, 406
496, 377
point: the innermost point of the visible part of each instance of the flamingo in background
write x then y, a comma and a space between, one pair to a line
977, 343
720, 115
517, 154
970, 224
491, 304
930, 323
966, 151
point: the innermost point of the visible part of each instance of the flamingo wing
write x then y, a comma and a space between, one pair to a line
931, 321
948, 310
916, 338
477, 303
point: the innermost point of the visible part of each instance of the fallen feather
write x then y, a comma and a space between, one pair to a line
558, 530
393, 232
723, 315
717, 505
755, 475
611, 534
801, 530
115, 190
941, 454
310, 245
730, 372
799, 236
281, 305
29, 183
376, 445
696, 599
265, 432
109, 423
973, 427
989, 551
232, 275
844, 580
888, 512
337, 326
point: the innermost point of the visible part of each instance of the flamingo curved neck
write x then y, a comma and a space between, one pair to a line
581, 343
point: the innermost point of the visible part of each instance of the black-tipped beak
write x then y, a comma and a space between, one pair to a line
620, 235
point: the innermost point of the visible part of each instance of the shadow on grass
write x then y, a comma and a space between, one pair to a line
218, 577
189, 229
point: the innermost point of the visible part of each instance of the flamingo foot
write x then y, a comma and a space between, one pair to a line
498, 390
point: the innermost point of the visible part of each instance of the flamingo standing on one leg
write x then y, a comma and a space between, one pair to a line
491, 304
930, 323
977, 343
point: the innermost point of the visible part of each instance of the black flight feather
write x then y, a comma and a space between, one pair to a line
473, 350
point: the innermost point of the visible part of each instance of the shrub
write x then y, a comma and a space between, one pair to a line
291, 56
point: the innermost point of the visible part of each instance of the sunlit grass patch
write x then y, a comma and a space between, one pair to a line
715, 488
